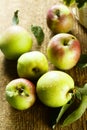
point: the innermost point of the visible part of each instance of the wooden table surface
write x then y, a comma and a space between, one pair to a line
38, 116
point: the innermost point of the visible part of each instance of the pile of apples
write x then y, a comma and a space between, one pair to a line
53, 87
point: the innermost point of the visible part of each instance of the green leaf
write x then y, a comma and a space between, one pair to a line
38, 33
78, 95
15, 19
75, 115
69, 2
73, 110
83, 90
63, 109
82, 63
79, 3
61, 112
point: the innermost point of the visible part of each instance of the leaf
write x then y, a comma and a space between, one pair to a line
79, 3
78, 95
73, 110
83, 90
61, 112
63, 109
38, 33
15, 19
75, 115
82, 63
69, 2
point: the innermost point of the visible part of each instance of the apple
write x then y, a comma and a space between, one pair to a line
15, 41
32, 65
20, 93
64, 51
60, 19
54, 88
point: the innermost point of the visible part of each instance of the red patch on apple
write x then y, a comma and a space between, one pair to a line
56, 49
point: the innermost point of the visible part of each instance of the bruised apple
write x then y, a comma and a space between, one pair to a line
15, 41
54, 88
20, 93
60, 19
64, 51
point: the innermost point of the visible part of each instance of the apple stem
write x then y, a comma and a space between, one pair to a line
65, 42
71, 91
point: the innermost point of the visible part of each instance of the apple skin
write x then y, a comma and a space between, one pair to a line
32, 65
53, 88
60, 19
20, 93
64, 51
15, 41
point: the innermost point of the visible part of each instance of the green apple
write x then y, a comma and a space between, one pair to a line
32, 65
64, 51
55, 88
15, 41
20, 93
60, 19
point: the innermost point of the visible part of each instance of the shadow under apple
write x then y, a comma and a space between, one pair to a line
10, 68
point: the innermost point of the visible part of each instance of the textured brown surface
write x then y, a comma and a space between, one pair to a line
37, 117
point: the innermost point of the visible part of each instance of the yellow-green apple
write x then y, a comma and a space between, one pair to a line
15, 41
32, 65
60, 19
20, 93
55, 88
64, 51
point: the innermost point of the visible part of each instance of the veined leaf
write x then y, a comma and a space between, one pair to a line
38, 33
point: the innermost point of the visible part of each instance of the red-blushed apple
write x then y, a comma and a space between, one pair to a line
32, 65
64, 51
55, 88
60, 19
20, 93
15, 41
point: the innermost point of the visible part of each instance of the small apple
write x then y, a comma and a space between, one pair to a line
32, 65
60, 19
64, 51
54, 88
20, 93
15, 41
